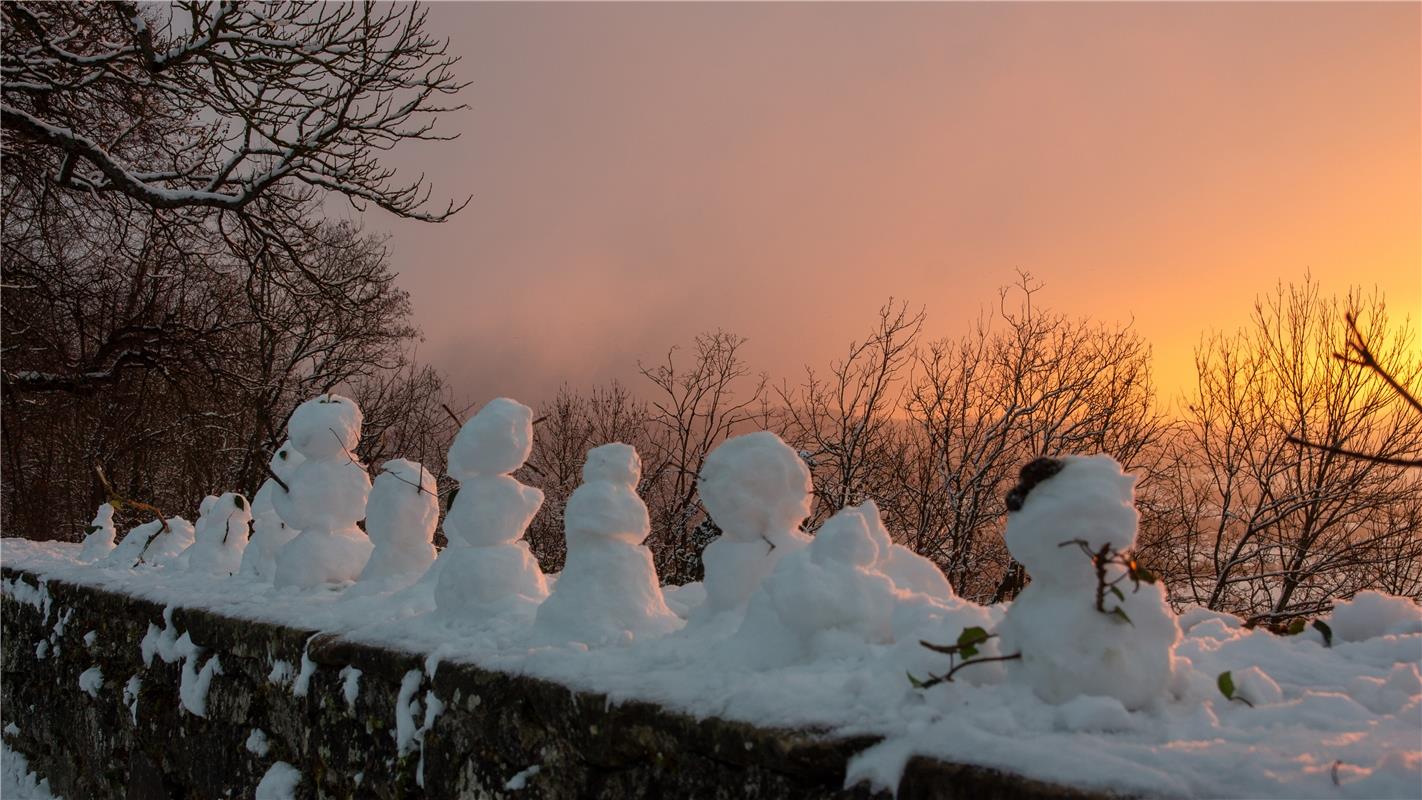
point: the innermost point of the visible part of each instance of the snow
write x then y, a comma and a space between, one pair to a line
820, 635
91, 681
350, 685
16, 779
487, 570
520, 779
757, 489
130, 696
269, 533
1372, 614
327, 497
1068, 646
401, 517
100, 541
608, 591
257, 743
220, 536
279, 782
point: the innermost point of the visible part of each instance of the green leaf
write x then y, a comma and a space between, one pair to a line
915, 682
1119, 612
971, 636
1120, 595
1226, 683
1295, 628
1322, 627
1144, 575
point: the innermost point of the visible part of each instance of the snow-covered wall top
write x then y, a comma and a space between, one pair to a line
110, 695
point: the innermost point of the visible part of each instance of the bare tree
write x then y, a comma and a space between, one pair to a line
1279, 528
693, 409
843, 424
1041, 385
223, 105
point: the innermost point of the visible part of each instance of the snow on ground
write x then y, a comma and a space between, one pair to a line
17, 782
1346, 720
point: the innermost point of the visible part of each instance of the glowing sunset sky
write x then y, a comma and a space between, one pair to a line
642, 172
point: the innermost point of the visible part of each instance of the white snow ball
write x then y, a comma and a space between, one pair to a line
324, 494
755, 486
491, 510
1056, 501
845, 539
600, 510
615, 463
285, 461
325, 427
495, 441
1372, 614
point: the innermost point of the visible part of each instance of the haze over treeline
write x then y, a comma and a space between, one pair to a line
172, 289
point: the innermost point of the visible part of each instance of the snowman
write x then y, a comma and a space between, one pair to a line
269, 533
400, 519
168, 545
608, 591
326, 498
100, 541
220, 536
757, 490
824, 599
487, 569
1069, 647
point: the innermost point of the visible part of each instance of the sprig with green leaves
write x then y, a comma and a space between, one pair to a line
1101, 559
966, 648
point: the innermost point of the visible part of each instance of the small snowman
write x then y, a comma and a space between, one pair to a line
326, 498
400, 519
100, 541
608, 591
221, 535
487, 569
1069, 646
269, 533
824, 599
757, 490
167, 546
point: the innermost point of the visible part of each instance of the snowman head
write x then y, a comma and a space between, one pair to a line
755, 486
847, 538
325, 427
285, 461
1059, 500
495, 441
615, 463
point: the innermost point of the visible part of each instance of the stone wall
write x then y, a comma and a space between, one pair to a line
493, 726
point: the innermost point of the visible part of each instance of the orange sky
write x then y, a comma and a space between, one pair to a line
642, 172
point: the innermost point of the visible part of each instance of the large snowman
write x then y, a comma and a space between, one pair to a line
487, 569
1070, 647
327, 497
608, 591
757, 490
